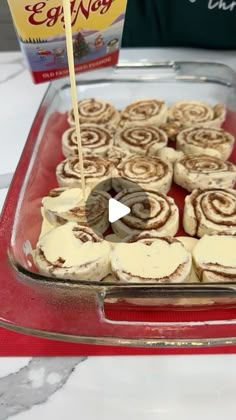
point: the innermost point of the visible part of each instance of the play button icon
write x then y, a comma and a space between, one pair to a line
116, 210
108, 214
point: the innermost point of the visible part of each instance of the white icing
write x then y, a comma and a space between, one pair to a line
216, 249
46, 226
68, 199
61, 243
188, 243
160, 259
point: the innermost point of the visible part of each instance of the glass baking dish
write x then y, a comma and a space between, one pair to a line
108, 313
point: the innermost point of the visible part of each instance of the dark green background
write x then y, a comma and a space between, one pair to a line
151, 23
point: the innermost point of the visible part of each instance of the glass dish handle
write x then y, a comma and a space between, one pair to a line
169, 333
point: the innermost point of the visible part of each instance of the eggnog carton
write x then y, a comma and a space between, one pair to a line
97, 27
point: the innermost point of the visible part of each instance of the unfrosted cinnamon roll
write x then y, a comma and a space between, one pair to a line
203, 171
95, 111
147, 258
94, 139
208, 141
209, 211
146, 171
96, 169
144, 112
214, 258
142, 140
73, 252
67, 205
195, 113
149, 210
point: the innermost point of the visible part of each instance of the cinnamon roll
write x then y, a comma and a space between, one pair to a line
96, 169
146, 171
73, 252
95, 111
144, 112
67, 205
117, 155
195, 113
147, 258
209, 211
143, 140
214, 258
202, 171
208, 141
94, 139
149, 210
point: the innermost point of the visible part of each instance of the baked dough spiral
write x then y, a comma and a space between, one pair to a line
209, 211
209, 141
149, 210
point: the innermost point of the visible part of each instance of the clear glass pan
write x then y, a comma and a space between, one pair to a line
186, 314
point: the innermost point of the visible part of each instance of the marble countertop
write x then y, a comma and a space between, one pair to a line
150, 388
107, 388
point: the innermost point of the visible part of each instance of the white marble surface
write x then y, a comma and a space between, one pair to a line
107, 388
114, 388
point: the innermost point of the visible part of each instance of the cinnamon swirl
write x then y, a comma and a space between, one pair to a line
195, 113
203, 171
95, 111
144, 112
214, 258
143, 140
209, 211
67, 205
208, 141
97, 169
147, 258
146, 171
73, 252
149, 210
94, 139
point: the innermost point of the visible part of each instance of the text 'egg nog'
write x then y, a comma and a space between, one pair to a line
97, 27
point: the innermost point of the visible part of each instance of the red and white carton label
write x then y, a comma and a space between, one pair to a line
97, 27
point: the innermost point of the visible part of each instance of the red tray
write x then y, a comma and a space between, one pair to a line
182, 315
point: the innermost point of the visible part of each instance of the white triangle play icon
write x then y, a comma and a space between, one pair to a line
116, 210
